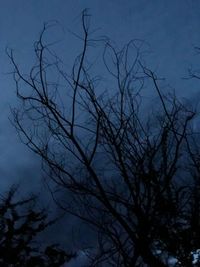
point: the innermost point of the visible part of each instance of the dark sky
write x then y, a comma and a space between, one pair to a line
171, 27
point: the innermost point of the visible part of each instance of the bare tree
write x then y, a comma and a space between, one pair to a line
128, 172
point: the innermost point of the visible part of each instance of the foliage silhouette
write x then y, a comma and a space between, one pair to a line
21, 222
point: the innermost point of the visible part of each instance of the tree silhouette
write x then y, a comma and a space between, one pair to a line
21, 222
130, 173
